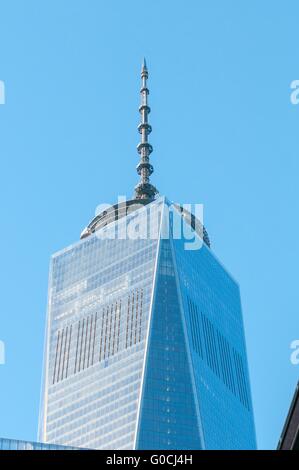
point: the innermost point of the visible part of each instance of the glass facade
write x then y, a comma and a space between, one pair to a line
169, 417
145, 345
99, 302
13, 444
215, 333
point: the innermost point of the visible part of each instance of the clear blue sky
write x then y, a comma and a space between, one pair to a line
224, 134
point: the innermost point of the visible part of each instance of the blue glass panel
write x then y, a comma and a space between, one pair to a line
212, 309
168, 417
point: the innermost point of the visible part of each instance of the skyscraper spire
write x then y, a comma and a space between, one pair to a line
144, 189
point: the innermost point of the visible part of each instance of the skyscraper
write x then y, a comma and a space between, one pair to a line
289, 439
145, 343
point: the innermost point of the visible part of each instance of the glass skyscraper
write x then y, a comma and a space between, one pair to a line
145, 343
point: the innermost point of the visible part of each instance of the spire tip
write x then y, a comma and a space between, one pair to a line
144, 189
